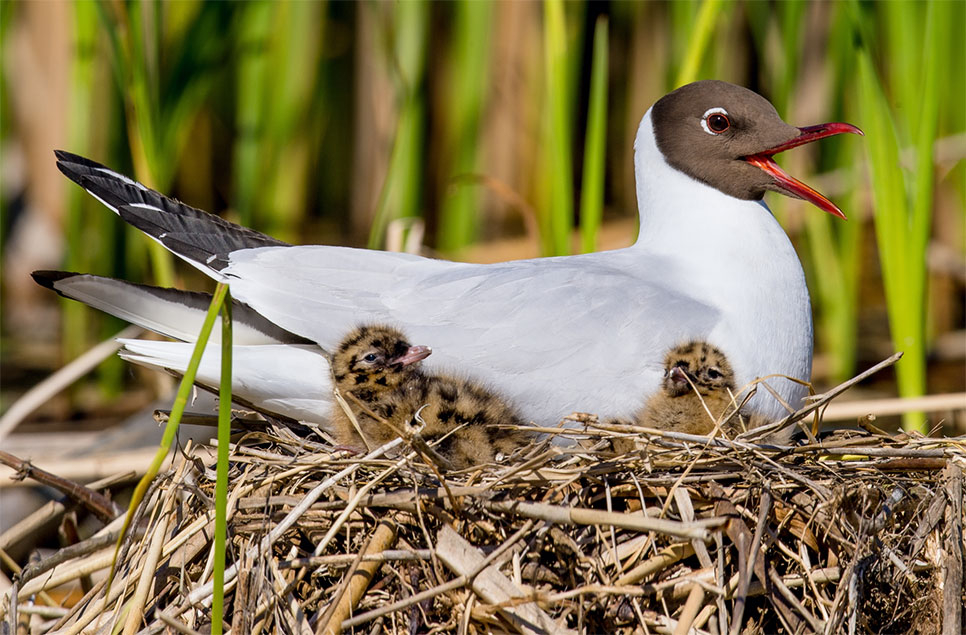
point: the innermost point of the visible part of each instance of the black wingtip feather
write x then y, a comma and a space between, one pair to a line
48, 278
191, 233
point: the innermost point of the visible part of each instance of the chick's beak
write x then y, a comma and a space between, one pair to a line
791, 186
412, 355
678, 375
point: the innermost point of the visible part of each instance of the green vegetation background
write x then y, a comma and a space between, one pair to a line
328, 122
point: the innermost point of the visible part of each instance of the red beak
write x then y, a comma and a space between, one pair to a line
788, 184
412, 355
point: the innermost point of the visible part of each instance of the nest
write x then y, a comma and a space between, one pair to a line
855, 531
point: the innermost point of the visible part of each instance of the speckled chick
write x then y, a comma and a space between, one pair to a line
378, 366
677, 406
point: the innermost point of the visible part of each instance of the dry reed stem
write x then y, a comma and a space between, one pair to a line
849, 531
356, 580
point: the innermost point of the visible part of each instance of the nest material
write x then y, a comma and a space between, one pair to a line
861, 532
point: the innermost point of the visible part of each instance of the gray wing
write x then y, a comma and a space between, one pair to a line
579, 329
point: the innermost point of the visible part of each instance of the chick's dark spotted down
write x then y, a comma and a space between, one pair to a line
684, 406
378, 374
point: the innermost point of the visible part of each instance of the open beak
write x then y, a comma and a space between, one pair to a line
678, 375
412, 355
788, 184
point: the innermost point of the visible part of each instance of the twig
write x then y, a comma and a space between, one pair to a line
61, 379
851, 410
690, 610
443, 588
819, 401
582, 516
953, 546
745, 580
356, 580
204, 591
94, 502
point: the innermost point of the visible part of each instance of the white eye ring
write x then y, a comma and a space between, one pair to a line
708, 113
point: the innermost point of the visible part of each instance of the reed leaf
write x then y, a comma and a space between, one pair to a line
401, 194
293, 68
253, 36
903, 221
558, 219
79, 256
701, 31
174, 420
592, 183
221, 477
459, 218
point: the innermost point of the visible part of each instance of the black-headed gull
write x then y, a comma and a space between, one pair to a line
555, 335
378, 374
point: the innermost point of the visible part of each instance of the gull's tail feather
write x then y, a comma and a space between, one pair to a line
202, 239
283, 380
171, 312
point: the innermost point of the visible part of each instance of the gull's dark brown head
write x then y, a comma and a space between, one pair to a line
703, 364
725, 136
375, 359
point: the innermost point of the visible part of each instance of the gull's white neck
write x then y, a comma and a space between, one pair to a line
731, 253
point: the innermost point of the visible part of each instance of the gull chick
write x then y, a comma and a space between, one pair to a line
378, 374
696, 391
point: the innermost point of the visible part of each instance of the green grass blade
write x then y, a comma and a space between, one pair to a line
458, 224
701, 32
896, 253
221, 482
79, 257
294, 58
935, 55
560, 215
402, 188
177, 410
254, 32
592, 183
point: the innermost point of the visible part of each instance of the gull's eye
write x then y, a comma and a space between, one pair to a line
715, 121
371, 357
713, 373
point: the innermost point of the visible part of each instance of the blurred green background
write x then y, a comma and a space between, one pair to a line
500, 130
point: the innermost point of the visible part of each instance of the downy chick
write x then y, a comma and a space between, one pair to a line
677, 406
378, 367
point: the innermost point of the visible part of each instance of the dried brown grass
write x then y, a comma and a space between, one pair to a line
859, 531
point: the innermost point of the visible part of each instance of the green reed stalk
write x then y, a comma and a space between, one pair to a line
293, 62
700, 35
592, 184
559, 218
835, 250
163, 93
902, 221
139, 53
174, 420
401, 190
221, 479
459, 218
79, 256
253, 37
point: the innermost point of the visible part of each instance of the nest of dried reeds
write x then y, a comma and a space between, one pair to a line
856, 531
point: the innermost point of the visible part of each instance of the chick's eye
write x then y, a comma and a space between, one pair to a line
715, 121
371, 357
713, 374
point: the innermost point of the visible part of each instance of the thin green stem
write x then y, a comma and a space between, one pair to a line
221, 482
701, 33
592, 184
561, 212
177, 410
